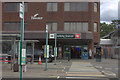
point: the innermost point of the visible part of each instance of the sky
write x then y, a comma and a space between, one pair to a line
108, 10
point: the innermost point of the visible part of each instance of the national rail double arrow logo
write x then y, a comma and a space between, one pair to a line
77, 35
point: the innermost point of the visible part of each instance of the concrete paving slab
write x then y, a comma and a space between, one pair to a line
83, 69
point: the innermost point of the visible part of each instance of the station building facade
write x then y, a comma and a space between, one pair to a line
77, 25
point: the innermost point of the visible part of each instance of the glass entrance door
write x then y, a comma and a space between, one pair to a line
75, 52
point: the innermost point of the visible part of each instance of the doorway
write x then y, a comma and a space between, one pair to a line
75, 52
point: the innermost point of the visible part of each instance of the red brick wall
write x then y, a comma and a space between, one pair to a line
60, 16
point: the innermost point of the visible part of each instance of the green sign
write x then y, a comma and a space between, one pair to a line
65, 36
23, 58
69, 36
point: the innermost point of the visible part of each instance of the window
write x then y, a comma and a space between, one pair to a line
13, 26
52, 26
95, 7
85, 26
95, 27
52, 6
6, 47
14, 7
76, 26
76, 6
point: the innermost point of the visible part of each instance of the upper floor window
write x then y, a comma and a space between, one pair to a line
95, 27
95, 7
52, 6
76, 26
76, 6
14, 7
14, 26
52, 26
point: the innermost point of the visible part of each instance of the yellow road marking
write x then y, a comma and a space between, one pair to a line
83, 72
84, 75
58, 77
82, 62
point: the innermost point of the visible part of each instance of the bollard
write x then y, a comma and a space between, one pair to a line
6, 60
39, 60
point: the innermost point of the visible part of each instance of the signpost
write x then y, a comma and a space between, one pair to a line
46, 45
22, 35
54, 36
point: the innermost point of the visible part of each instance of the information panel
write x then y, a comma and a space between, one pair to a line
47, 51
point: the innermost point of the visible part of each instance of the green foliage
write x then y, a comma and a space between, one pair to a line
115, 21
106, 28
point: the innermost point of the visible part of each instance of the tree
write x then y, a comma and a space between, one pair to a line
106, 28
115, 22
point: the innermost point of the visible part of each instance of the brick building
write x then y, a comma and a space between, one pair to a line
77, 25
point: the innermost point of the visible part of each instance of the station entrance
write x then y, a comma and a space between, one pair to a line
76, 52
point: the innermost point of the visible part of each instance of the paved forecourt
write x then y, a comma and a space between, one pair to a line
83, 70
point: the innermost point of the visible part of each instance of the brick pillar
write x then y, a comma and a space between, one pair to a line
91, 45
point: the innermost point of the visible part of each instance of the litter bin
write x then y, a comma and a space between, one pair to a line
98, 55
68, 57
98, 58
15, 67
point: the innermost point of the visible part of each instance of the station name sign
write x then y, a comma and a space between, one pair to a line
67, 36
35, 17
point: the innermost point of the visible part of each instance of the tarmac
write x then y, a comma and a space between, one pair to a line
73, 69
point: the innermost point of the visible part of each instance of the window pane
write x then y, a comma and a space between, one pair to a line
84, 6
73, 6
6, 47
85, 27
14, 7
76, 26
13, 26
95, 7
95, 27
73, 26
11, 7
66, 26
54, 6
26, 7
49, 6
67, 7
54, 27
49, 26
79, 27
76, 6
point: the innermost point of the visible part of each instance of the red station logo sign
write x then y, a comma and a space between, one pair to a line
77, 36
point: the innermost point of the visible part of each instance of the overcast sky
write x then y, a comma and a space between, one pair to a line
108, 10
